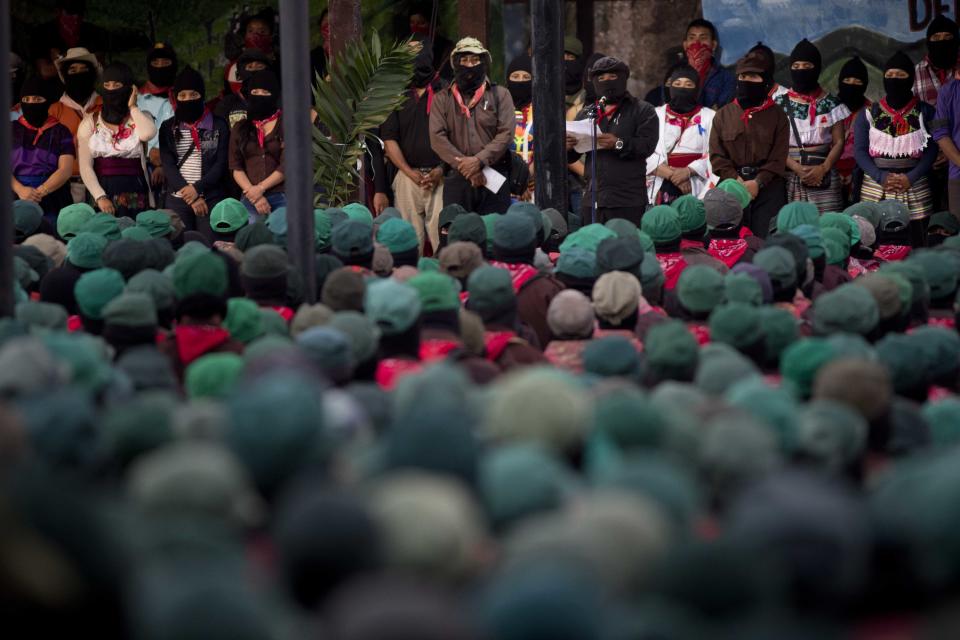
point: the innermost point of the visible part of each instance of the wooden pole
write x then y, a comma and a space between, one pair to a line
298, 157
549, 153
6, 203
472, 19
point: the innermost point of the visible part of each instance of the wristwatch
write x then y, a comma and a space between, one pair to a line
619, 145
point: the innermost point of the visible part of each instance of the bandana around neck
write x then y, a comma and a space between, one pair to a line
261, 125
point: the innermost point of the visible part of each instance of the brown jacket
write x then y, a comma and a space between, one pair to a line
486, 134
534, 300
763, 144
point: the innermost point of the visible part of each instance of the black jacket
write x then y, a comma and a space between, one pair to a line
622, 175
215, 145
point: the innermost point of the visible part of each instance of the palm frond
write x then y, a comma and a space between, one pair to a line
367, 83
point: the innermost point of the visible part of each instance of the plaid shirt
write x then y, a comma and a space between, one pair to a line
928, 82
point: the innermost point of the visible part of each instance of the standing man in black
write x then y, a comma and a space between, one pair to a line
629, 130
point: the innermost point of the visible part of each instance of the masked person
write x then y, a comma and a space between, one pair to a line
893, 146
749, 142
110, 149
420, 16
256, 147
816, 132
771, 61
155, 99
701, 46
233, 107
851, 91
79, 71
418, 185
320, 55
194, 147
628, 135
576, 176
937, 67
520, 85
573, 73
471, 124
41, 152
681, 162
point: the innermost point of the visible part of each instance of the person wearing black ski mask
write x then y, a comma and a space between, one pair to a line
110, 147
573, 71
520, 84
79, 71
679, 166
851, 90
155, 99
256, 147
893, 148
817, 135
233, 106
42, 151
938, 66
629, 131
194, 148
471, 126
418, 185
749, 141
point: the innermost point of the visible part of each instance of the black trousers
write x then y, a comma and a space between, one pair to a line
765, 208
605, 214
191, 221
457, 190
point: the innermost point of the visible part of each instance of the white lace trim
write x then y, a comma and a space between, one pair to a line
819, 132
910, 145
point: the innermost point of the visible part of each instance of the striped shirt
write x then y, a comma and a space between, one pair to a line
192, 169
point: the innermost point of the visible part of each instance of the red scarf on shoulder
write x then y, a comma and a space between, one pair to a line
748, 113
51, 122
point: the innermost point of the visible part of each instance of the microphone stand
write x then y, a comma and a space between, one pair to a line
593, 112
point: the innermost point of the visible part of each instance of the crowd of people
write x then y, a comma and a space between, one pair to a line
733, 413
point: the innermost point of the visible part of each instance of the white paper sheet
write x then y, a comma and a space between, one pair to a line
495, 179
580, 129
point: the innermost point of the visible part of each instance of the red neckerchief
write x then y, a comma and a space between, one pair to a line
700, 57
898, 114
892, 252
699, 331
690, 244
473, 101
194, 128
727, 250
391, 370
672, 264
608, 111
433, 350
495, 342
429, 91
284, 312
745, 233
123, 132
520, 274
946, 323
153, 90
748, 113
194, 341
683, 120
51, 121
942, 74
260, 124
810, 99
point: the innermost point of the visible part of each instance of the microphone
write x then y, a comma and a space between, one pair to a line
602, 102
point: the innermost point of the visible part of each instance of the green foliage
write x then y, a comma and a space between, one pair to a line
367, 83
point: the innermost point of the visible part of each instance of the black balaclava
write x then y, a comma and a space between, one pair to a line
899, 91
751, 94
522, 91
163, 77
262, 107
469, 79
423, 72
116, 101
806, 80
853, 95
767, 54
612, 90
943, 53
189, 111
683, 100
248, 56
572, 75
590, 94
79, 86
35, 113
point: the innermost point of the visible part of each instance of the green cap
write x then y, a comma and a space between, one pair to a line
103, 224
131, 310
885, 291
577, 263
941, 350
612, 357
779, 265
842, 222
322, 229
797, 213
358, 212
425, 265
622, 227
737, 190
352, 239
700, 288
42, 315
742, 288
736, 324
85, 250
774, 406
914, 275
393, 306
832, 434
629, 419
450, 213
489, 221
572, 45
213, 375
156, 285
671, 350
228, 215
519, 480
691, 211
203, 273
836, 244
894, 215
531, 212
946, 221
491, 291
27, 216
398, 236
24, 274
940, 272
589, 237
869, 211
468, 227
898, 353
95, 289
846, 309
812, 237
944, 420
265, 261
437, 291
801, 362
136, 233
273, 323
277, 223
253, 235
514, 232
156, 222
243, 320
780, 330
363, 333
662, 224
71, 218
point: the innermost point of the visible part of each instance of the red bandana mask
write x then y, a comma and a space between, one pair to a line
700, 57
